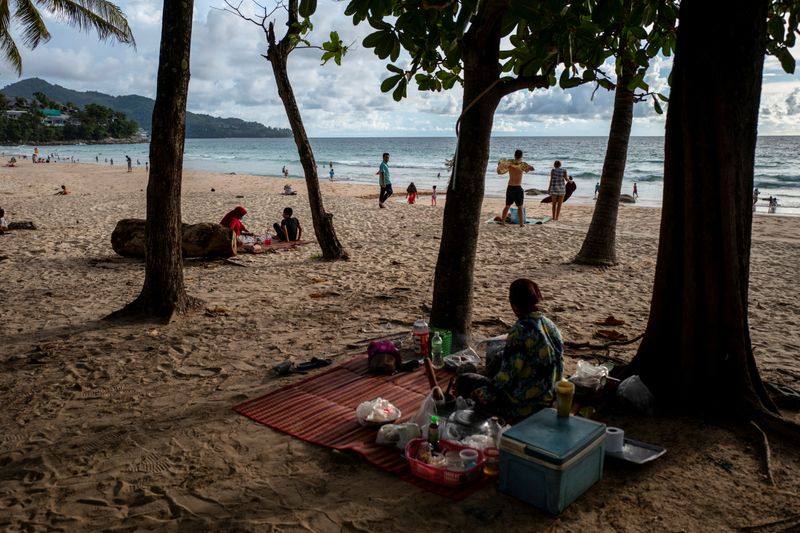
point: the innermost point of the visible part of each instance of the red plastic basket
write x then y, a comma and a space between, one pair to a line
443, 476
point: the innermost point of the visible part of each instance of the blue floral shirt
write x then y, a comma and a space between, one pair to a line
531, 364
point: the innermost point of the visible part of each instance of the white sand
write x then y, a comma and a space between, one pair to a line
129, 426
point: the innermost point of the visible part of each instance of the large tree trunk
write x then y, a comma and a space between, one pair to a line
696, 354
163, 293
278, 55
600, 244
452, 290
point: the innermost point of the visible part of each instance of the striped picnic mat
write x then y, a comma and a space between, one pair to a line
321, 409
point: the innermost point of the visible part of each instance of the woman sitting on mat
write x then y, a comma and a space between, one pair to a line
234, 219
522, 380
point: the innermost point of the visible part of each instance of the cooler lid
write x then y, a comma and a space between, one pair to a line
551, 438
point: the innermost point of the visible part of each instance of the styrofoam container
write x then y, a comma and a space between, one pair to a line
548, 461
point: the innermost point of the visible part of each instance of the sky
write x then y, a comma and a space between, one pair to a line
231, 78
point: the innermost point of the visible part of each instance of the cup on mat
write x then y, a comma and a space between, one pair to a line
492, 465
469, 457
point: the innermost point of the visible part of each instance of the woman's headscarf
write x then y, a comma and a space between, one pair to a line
233, 219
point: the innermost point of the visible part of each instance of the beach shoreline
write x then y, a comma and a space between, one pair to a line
129, 425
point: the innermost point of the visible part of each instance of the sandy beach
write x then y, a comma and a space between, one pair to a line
129, 427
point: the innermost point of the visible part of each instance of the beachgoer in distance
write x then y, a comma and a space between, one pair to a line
287, 190
596, 189
384, 181
234, 220
147, 166
64, 190
289, 229
755, 198
514, 192
3, 222
130, 163
331, 173
411, 193
635, 191
557, 188
433, 196
522, 380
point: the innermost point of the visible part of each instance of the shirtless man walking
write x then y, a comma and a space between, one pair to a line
514, 192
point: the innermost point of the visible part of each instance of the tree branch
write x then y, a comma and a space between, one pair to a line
510, 85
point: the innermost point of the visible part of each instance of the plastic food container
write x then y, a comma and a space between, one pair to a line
439, 475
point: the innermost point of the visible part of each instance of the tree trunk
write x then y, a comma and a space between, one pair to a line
205, 239
600, 244
278, 55
452, 290
163, 293
696, 353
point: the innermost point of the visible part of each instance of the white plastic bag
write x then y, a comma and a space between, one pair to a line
426, 409
377, 411
589, 376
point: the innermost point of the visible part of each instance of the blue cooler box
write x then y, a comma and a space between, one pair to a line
549, 461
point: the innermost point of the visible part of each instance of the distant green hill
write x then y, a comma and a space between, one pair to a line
140, 109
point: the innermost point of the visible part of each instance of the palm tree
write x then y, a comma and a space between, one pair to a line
104, 17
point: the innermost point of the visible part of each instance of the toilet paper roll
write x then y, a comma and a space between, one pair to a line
615, 438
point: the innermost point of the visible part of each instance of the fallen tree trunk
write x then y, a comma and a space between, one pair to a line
205, 239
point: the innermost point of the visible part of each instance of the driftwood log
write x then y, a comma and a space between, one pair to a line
199, 240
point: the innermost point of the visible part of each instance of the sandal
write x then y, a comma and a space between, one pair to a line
315, 362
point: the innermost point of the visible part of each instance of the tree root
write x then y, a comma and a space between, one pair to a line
139, 312
767, 453
776, 424
590, 346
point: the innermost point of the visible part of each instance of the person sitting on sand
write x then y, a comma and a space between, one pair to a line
289, 229
522, 380
287, 190
411, 193
234, 219
3, 223
63, 191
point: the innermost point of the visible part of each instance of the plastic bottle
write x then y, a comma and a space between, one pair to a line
420, 334
433, 433
437, 359
494, 429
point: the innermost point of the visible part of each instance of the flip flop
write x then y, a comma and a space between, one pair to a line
315, 362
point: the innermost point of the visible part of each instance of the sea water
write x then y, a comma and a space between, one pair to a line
423, 161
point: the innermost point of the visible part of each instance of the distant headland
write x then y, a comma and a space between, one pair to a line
140, 110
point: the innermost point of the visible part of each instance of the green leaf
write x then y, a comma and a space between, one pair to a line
776, 28
657, 106
307, 8
395, 69
400, 91
373, 39
786, 59
390, 82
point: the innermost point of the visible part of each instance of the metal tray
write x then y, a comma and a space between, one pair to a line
638, 452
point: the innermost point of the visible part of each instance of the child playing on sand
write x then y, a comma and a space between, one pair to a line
433, 196
64, 190
289, 229
411, 193
3, 223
